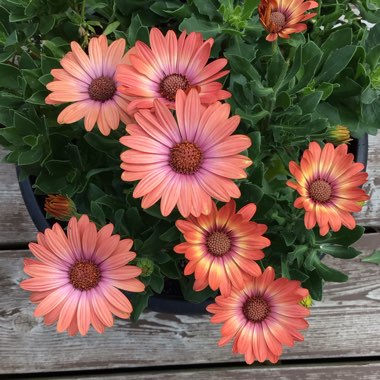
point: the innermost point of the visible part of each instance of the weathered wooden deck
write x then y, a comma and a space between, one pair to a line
343, 341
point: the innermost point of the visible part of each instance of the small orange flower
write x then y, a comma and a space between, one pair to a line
284, 17
60, 206
222, 247
328, 184
262, 317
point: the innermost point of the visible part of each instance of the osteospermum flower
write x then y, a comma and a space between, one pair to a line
89, 82
338, 135
168, 65
328, 184
60, 206
284, 17
221, 247
187, 161
262, 317
75, 278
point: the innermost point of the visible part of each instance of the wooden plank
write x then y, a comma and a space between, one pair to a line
15, 223
344, 371
346, 324
369, 216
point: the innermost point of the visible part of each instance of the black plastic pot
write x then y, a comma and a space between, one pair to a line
160, 303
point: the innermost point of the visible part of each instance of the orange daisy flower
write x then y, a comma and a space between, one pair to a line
284, 17
262, 317
89, 81
168, 65
221, 247
75, 278
328, 184
187, 161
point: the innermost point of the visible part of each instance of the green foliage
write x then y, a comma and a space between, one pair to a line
287, 94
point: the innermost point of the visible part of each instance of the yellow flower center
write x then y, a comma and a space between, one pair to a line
171, 84
102, 89
185, 158
84, 275
256, 309
278, 19
218, 243
320, 191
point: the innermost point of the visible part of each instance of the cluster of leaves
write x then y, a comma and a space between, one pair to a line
286, 94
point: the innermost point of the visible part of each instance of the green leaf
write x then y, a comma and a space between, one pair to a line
343, 237
139, 302
335, 63
170, 269
206, 8
373, 258
337, 39
171, 234
193, 296
315, 285
277, 69
8, 77
111, 27
194, 24
329, 274
48, 63
250, 193
38, 98
340, 251
310, 102
156, 281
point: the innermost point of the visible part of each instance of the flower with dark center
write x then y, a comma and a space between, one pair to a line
328, 181
88, 82
222, 247
261, 317
284, 17
76, 277
168, 65
187, 158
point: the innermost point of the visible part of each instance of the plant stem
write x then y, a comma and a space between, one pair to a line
83, 9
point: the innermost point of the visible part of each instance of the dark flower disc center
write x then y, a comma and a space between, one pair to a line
256, 309
278, 19
218, 243
171, 84
185, 158
102, 89
84, 275
320, 191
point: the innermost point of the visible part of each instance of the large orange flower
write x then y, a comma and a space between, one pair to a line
75, 277
168, 65
284, 17
262, 317
327, 182
187, 160
221, 247
89, 82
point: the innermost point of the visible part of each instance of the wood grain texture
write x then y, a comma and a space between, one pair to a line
15, 223
345, 324
370, 214
344, 371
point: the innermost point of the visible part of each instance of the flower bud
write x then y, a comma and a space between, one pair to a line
60, 207
338, 135
146, 265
